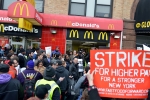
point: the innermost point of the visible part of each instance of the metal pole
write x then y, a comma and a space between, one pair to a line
121, 40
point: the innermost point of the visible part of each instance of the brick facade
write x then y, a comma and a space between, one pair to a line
122, 9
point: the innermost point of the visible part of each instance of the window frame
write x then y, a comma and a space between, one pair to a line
111, 9
2, 5
70, 2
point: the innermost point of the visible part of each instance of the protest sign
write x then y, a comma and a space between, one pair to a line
80, 64
48, 50
121, 73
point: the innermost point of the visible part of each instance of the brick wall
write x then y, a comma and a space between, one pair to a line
129, 36
122, 8
56, 6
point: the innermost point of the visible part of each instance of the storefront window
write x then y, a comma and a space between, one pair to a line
77, 7
103, 8
17, 39
38, 4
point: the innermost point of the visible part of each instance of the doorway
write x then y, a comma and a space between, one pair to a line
35, 44
16, 42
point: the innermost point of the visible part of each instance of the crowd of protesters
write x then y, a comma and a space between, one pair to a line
33, 74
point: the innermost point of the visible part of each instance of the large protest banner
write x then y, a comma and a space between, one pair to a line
121, 73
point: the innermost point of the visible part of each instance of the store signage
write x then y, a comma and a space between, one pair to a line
38, 17
21, 7
2, 28
121, 73
74, 34
25, 24
103, 35
90, 25
54, 22
14, 28
144, 24
111, 26
6, 19
88, 35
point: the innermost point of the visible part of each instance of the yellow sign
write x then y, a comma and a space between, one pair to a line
75, 33
32, 2
103, 35
111, 26
25, 24
54, 22
138, 25
2, 28
21, 7
89, 34
68, 23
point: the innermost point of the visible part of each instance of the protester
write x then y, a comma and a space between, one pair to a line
65, 83
9, 56
22, 59
55, 52
47, 60
30, 55
12, 70
10, 89
39, 67
48, 78
39, 57
29, 73
73, 69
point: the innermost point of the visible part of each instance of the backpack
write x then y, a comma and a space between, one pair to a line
29, 86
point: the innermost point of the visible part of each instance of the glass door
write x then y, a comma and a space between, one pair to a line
35, 44
16, 42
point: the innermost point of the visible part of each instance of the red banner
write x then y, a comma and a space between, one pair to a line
121, 73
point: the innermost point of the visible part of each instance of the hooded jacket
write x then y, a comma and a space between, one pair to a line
10, 88
62, 72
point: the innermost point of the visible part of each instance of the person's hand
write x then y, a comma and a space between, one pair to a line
61, 79
90, 77
70, 76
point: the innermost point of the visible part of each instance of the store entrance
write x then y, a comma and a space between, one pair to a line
16, 42
86, 46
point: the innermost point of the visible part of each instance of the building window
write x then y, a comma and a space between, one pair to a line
103, 8
39, 4
77, 7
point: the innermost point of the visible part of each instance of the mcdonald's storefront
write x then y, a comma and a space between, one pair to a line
67, 32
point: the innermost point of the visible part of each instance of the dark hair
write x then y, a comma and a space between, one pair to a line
15, 58
42, 90
87, 69
10, 62
39, 54
40, 61
9, 55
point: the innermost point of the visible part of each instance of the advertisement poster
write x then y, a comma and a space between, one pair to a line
3, 41
80, 61
48, 50
121, 73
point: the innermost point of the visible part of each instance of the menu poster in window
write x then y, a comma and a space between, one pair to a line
121, 73
48, 50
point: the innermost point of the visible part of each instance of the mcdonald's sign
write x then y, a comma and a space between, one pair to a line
74, 33
111, 26
54, 22
25, 24
88, 34
21, 7
32, 2
2, 28
102, 36
68, 23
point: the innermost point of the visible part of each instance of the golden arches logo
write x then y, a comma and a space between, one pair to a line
102, 36
88, 34
54, 22
111, 26
21, 8
114, 44
2, 28
74, 33
68, 23
32, 2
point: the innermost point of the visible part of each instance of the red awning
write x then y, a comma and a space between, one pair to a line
82, 22
23, 9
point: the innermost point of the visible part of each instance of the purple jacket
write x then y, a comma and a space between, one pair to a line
29, 73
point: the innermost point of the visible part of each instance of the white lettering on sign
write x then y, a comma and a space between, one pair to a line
16, 29
38, 17
131, 58
90, 25
7, 19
